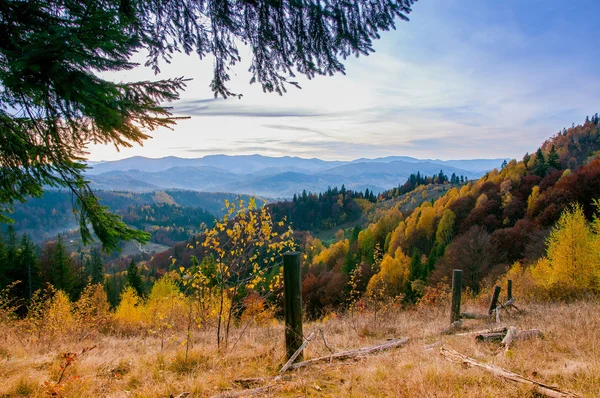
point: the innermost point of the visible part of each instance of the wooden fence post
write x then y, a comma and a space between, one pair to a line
494, 302
292, 297
509, 290
456, 293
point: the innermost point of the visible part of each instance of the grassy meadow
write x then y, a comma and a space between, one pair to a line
145, 364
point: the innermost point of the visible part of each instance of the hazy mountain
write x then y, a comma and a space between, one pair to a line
270, 176
398, 168
241, 164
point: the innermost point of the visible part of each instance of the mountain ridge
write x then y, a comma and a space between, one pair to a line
276, 177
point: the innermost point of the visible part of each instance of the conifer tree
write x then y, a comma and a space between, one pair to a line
540, 167
96, 268
134, 279
11, 249
54, 101
3, 263
63, 277
29, 267
553, 159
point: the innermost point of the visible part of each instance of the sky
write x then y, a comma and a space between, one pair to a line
464, 79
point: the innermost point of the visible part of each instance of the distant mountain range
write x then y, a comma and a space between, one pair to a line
271, 176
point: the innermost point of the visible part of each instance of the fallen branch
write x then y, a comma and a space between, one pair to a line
353, 353
472, 315
540, 388
454, 326
513, 334
431, 346
496, 336
500, 329
298, 351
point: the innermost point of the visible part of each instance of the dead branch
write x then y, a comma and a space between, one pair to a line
430, 347
454, 326
472, 315
325, 341
500, 329
298, 351
496, 336
513, 334
353, 353
540, 388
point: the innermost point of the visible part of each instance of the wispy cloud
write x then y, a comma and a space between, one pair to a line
295, 128
236, 108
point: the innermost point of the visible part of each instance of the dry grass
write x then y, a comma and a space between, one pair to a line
568, 356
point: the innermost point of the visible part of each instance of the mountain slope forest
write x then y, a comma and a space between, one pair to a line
481, 226
400, 245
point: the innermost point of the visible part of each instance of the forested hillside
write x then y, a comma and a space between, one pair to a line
45, 217
397, 245
481, 227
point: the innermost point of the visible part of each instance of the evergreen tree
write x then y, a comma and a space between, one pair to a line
3, 263
540, 167
553, 159
441, 177
134, 279
96, 268
453, 179
29, 267
504, 164
55, 102
416, 267
63, 277
12, 249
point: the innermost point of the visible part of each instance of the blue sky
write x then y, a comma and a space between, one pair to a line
463, 79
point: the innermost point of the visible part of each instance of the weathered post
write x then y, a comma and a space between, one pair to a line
494, 302
456, 293
509, 290
292, 297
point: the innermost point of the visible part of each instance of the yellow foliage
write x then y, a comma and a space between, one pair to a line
91, 311
532, 200
426, 222
572, 264
393, 275
397, 238
59, 319
334, 255
445, 228
129, 314
570, 249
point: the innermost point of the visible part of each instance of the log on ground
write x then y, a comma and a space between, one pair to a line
540, 388
353, 353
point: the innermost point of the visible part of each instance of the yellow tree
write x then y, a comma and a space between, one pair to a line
445, 229
246, 247
393, 275
572, 264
